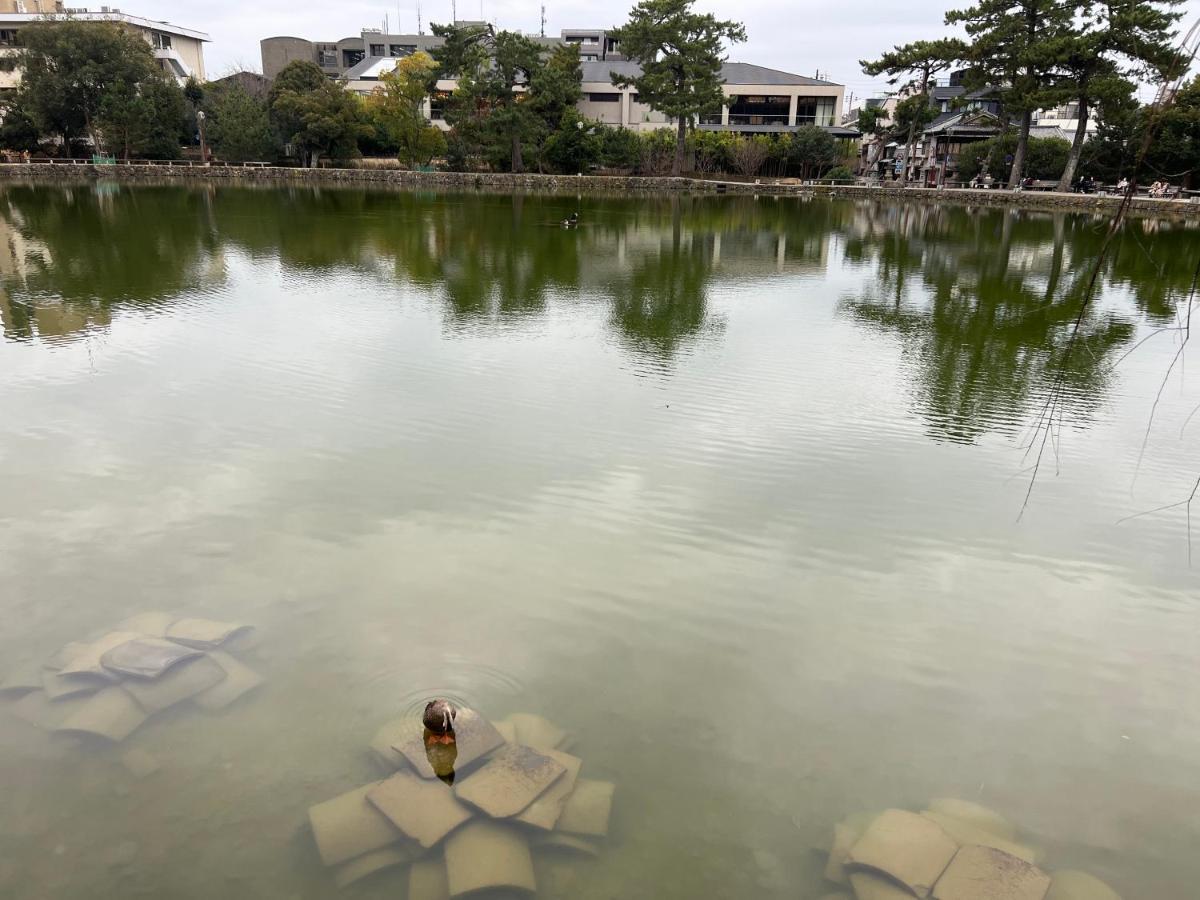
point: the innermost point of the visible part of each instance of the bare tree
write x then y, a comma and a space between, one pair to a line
749, 154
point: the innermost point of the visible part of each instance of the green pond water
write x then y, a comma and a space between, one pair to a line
730, 488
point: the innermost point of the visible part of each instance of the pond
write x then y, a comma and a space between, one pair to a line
732, 489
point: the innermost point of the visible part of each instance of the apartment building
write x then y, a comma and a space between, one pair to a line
179, 51
337, 58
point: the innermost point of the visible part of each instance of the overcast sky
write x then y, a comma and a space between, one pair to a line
800, 36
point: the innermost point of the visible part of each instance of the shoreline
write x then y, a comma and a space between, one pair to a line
1046, 201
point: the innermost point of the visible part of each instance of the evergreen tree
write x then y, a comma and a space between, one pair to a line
680, 53
71, 69
314, 114
239, 127
1113, 41
914, 66
1021, 46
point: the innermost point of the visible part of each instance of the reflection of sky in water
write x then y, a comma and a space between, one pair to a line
694, 496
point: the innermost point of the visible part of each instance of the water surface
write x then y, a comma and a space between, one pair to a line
729, 487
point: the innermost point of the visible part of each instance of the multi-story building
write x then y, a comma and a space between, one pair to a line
179, 51
759, 100
337, 58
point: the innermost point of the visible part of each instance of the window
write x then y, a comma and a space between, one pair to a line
8, 37
160, 41
815, 110
605, 98
377, 49
636, 98
437, 104
351, 58
402, 49
327, 59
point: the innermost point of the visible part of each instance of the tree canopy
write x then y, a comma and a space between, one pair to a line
397, 109
239, 127
98, 80
680, 52
315, 115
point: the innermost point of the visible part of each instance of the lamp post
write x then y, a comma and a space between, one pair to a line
203, 146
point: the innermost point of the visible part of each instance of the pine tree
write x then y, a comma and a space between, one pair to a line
1114, 41
680, 53
1020, 46
915, 65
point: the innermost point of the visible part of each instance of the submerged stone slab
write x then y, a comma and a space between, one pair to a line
474, 737
154, 623
207, 634
1071, 885
545, 811
59, 686
588, 809
980, 816
425, 810
239, 680
985, 873
38, 709
509, 781
910, 848
427, 879
180, 683
507, 730
112, 714
88, 660
146, 657
139, 763
838, 895
375, 861
845, 835
349, 825
870, 885
390, 734
486, 855
537, 732
65, 654
969, 833
558, 840
22, 681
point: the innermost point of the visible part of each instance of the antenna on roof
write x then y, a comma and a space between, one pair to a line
420, 27
543, 20
453, 10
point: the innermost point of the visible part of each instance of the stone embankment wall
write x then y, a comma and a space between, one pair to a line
582, 184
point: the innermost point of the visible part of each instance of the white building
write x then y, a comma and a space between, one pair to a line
179, 51
759, 100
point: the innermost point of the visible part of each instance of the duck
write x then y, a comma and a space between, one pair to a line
439, 719
571, 221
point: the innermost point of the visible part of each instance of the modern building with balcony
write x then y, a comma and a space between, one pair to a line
759, 101
179, 51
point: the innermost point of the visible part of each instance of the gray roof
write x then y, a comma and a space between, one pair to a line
947, 91
731, 73
963, 120
1050, 131
747, 73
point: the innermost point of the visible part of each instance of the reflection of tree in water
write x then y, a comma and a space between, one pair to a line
985, 304
71, 254
496, 258
661, 300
